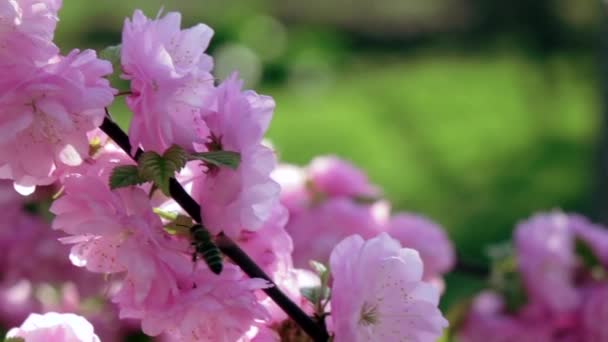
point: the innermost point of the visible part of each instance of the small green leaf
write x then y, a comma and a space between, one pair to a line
160, 169
111, 53
365, 200
586, 254
314, 294
590, 260
505, 277
14, 339
180, 225
155, 168
228, 159
167, 215
318, 267
125, 175
176, 155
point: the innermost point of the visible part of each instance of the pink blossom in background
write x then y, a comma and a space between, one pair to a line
241, 199
295, 195
325, 177
323, 202
486, 322
55, 327
269, 246
336, 177
47, 114
26, 32
544, 247
378, 293
316, 231
428, 238
595, 314
566, 301
170, 80
594, 235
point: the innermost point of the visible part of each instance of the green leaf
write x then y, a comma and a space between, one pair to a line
228, 159
318, 267
365, 200
167, 215
180, 225
505, 277
314, 294
160, 169
590, 260
176, 155
125, 175
586, 254
111, 54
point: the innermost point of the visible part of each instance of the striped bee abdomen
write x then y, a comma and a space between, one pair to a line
205, 248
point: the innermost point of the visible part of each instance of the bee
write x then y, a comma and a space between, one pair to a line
205, 248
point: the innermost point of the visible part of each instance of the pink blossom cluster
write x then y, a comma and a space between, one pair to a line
49, 101
117, 233
38, 276
381, 287
566, 293
175, 101
331, 199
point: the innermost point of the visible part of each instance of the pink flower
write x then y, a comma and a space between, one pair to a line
270, 246
486, 322
261, 334
378, 293
545, 253
117, 231
323, 201
329, 223
594, 314
295, 195
427, 238
336, 178
169, 73
234, 200
26, 32
211, 308
103, 223
47, 114
55, 327
326, 177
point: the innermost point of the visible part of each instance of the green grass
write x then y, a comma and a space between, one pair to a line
475, 142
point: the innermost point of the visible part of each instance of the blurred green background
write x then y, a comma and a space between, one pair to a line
476, 113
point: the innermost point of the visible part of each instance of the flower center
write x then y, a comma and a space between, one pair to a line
369, 314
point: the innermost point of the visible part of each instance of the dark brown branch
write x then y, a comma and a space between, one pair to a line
226, 245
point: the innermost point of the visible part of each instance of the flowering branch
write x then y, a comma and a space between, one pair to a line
226, 245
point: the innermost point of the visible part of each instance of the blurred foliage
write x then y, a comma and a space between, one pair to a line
474, 112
